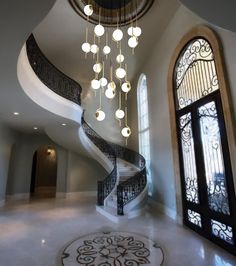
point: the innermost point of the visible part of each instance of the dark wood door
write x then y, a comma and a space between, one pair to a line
209, 202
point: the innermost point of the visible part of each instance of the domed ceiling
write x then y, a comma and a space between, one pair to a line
63, 47
220, 13
125, 10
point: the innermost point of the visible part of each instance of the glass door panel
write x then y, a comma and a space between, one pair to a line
189, 162
209, 202
222, 231
213, 158
206, 181
194, 218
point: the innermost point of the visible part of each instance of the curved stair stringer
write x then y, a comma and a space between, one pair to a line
39, 93
137, 206
106, 159
51, 101
129, 166
100, 157
43, 96
134, 208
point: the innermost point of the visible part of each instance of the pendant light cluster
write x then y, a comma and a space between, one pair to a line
117, 80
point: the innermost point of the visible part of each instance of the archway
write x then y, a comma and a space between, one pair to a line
144, 126
201, 127
44, 173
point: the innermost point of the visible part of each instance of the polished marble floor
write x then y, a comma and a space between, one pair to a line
112, 249
36, 233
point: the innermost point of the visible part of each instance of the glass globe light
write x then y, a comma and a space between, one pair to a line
120, 73
100, 115
126, 132
111, 85
97, 68
99, 30
88, 10
110, 94
137, 31
117, 35
133, 42
120, 114
106, 50
95, 84
130, 31
86, 47
94, 48
103, 82
120, 58
126, 86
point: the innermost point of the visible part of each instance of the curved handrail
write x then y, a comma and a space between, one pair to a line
129, 155
128, 190
106, 186
131, 188
64, 86
51, 76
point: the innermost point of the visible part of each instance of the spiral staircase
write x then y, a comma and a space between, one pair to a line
123, 192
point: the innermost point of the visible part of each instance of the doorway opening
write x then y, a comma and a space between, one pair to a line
44, 173
203, 137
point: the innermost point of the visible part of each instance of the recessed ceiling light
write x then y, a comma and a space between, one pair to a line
35, 128
16, 113
63, 124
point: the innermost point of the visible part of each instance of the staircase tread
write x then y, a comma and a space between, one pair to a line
127, 170
124, 163
110, 210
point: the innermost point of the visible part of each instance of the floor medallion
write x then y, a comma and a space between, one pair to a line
112, 249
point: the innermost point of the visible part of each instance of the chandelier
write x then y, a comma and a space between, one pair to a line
110, 67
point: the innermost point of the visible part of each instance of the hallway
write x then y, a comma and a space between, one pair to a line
36, 232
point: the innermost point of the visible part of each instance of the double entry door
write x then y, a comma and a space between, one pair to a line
207, 185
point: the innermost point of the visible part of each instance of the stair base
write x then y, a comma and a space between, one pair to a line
111, 213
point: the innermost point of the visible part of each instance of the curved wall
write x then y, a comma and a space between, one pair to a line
41, 94
18, 19
166, 191
75, 173
220, 13
7, 138
19, 177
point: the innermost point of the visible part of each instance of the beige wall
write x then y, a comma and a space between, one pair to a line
83, 173
19, 176
156, 69
6, 142
74, 172
110, 123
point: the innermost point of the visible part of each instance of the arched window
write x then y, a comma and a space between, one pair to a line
143, 125
208, 195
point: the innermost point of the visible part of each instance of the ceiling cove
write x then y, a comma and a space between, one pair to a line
113, 12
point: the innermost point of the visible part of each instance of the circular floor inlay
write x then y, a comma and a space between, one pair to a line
112, 249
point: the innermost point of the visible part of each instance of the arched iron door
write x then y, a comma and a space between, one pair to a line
207, 185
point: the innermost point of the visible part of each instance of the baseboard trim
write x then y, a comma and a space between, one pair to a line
60, 195
18, 196
165, 210
80, 194
110, 213
2, 203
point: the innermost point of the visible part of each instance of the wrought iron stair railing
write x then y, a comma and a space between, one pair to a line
51, 76
128, 190
135, 185
66, 87
106, 186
